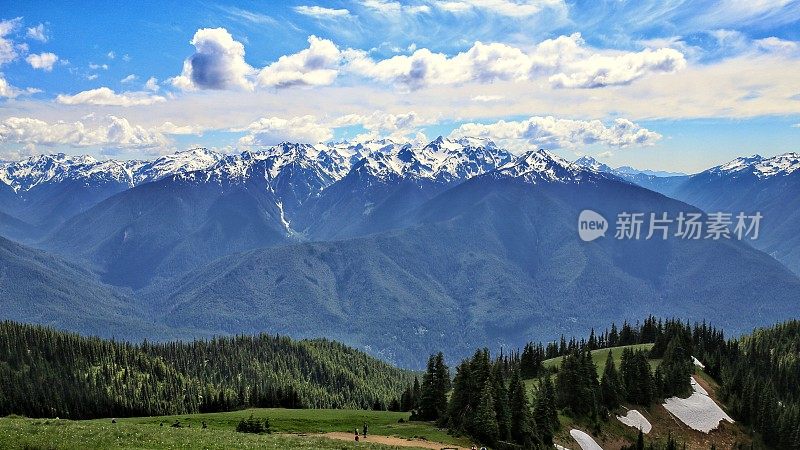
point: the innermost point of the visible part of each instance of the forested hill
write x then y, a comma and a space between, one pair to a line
49, 373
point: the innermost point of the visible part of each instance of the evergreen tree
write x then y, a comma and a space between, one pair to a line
610, 385
485, 422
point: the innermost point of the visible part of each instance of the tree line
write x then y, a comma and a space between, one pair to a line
50, 373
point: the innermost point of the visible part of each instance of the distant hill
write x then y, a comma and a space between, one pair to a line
44, 373
38, 287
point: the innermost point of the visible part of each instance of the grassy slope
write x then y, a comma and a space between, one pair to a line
146, 432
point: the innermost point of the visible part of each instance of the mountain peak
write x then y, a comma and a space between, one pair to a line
760, 166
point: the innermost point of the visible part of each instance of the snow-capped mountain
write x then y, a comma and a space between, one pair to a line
759, 166
442, 161
37, 170
538, 166
593, 164
176, 163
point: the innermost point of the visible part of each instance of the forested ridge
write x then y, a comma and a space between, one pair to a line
50, 373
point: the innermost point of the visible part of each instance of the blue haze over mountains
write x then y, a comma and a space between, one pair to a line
395, 248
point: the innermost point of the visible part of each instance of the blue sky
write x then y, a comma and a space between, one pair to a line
672, 85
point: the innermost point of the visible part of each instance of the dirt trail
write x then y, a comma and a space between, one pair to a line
391, 440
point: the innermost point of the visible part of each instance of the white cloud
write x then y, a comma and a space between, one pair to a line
383, 125
88, 132
505, 8
111, 55
170, 128
600, 71
92, 77
43, 61
777, 45
104, 96
568, 61
8, 51
129, 79
274, 130
487, 98
6, 90
315, 66
218, 63
321, 12
152, 84
37, 33
550, 133
94, 66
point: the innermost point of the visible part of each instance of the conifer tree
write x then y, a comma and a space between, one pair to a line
485, 422
610, 385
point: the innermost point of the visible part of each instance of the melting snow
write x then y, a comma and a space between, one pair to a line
700, 412
584, 440
636, 420
698, 363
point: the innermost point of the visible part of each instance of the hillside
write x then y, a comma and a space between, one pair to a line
48, 373
490, 262
41, 288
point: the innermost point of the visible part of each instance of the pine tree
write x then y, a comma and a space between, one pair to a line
610, 386
485, 422
500, 395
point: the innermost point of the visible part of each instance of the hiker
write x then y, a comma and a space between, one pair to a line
365, 430
356, 434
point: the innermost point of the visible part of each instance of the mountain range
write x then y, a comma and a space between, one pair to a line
399, 249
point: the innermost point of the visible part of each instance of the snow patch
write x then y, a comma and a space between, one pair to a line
584, 440
698, 363
636, 420
700, 412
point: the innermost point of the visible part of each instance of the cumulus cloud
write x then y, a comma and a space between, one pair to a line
43, 61
321, 12
152, 84
600, 70
170, 128
8, 51
104, 96
218, 63
274, 130
109, 131
315, 66
381, 124
567, 59
37, 33
550, 133
6, 90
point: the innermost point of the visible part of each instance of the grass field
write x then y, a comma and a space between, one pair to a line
148, 433
599, 359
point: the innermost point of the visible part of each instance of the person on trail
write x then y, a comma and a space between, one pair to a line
365, 430
356, 434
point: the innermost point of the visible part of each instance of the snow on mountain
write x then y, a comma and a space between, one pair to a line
543, 166
441, 161
31, 172
593, 164
759, 166
176, 163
